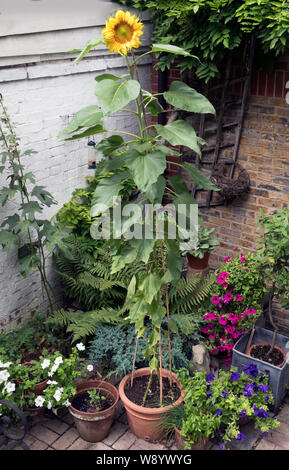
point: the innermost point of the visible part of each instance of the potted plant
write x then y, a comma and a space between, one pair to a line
143, 160
198, 259
216, 406
236, 303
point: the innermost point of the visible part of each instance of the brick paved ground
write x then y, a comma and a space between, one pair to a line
52, 433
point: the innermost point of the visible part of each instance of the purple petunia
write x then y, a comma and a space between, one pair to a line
263, 388
251, 369
218, 413
243, 413
240, 436
248, 391
225, 393
235, 376
222, 447
210, 378
260, 413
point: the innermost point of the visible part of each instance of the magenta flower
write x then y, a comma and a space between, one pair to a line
222, 321
227, 297
229, 346
205, 330
226, 260
215, 300
238, 297
251, 311
221, 348
230, 329
242, 259
236, 248
236, 335
212, 336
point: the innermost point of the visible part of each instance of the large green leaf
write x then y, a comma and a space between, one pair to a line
201, 180
87, 48
179, 133
184, 97
145, 167
113, 95
144, 247
152, 103
150, 287
106, 191
178, 184
9, 240
98, 129
110, 144
86, 117
172, 50
173, 262
156, 191
126, 255
30, 208
106, 76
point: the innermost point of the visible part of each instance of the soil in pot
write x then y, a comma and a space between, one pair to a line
82, 403
260, 351
138, 389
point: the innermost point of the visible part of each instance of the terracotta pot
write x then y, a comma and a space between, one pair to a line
198, 263
94, 427
145, 422
275, 347
41, 386
199, 445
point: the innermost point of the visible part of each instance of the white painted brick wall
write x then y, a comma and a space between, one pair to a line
40, 99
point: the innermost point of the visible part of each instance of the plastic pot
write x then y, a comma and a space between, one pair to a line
94, 427
145, 422
199, 445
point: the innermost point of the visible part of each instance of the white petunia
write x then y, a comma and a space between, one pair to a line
4, 376
5, 365
58, 393
80, 347
58, 360
49, 405
51, 382
39, 401
67, 403
53, 370
90, 368
45, 363
10, 387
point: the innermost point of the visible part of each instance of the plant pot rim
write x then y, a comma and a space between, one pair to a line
143, 409
281, 364
27, 364
90, 385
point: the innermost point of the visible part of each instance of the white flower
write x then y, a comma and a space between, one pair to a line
10, 387
39, 401
53, 370
51, 382
67, 403
90, 368
49, 405
58, 360
5, 365
58, 393
4, 376
45, 364
80, 347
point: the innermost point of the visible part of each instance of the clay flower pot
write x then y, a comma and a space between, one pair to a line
198, 265
145, 422
275, 347
199, 445
94, 427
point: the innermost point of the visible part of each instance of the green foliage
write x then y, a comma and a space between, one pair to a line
114, 347
25, 227
212, 404
206, 242
273, 248
34, 335
96, 398
209, 29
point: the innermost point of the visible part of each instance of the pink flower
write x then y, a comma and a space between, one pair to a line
205, 330
229, 346
232, 317
236, 248
238, 297
251, 311
243, 332
230, 329
222, 348
236, 335
214, 351
244, 314
227, 297
227, 361
224, 274
215, 300
226, 260
242, 259
222, 321
212, 336
225, 284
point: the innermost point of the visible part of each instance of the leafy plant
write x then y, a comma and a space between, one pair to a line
143, 159
206, 243
25, 230
210, 29
96, 398
215, 405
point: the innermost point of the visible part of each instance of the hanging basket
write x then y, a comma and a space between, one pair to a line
230, 188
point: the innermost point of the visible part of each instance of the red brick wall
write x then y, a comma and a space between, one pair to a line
264, 152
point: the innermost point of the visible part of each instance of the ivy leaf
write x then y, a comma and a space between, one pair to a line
152, 103
108, 145
86, 117
11, 221
30, 208
9, 240
29, 176
201, 180
145, 167
113, 95
184, 97
179, 133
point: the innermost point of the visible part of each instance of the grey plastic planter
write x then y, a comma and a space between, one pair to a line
278, 376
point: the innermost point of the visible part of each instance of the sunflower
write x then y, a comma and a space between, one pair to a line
122, 32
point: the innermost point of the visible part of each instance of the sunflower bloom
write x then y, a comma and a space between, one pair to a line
122, 32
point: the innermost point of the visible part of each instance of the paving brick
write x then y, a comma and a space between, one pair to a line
79, 444
38, 445
57, 426
43, 434
116, 431
265, 445
99, 446
68, 419
141, 444
125, 441
66, 440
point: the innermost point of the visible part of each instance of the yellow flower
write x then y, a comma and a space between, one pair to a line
122, 32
